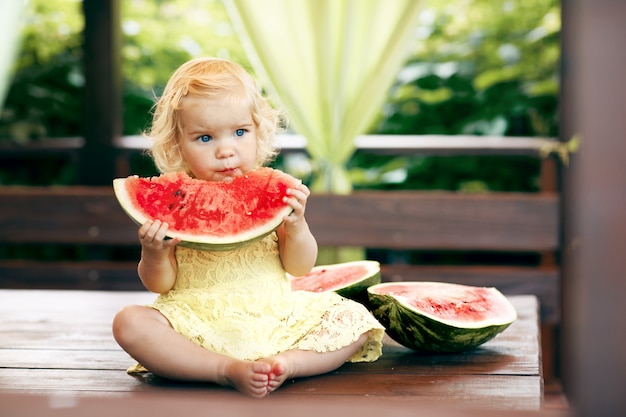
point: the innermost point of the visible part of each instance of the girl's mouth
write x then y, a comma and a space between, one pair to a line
230, 172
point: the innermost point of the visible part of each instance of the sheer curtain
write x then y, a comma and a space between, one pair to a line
329, 63
10, 19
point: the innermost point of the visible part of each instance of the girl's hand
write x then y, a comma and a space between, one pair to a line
297, 198
152, 236
296, 243
157, 266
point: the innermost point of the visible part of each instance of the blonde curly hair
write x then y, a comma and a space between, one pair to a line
209, 78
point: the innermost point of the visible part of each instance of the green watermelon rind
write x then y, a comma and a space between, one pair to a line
212, 243
422, 333
358, 290
225, 246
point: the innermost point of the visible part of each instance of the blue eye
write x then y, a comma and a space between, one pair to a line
240, 132
205, 138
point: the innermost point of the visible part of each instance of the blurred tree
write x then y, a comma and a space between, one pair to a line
152, 50
479, 67
485, 67
46, 93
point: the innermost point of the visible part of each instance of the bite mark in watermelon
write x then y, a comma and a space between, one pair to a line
348, 279
209, 215
440, 317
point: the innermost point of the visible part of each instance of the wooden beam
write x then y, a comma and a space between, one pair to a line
436, 220
596, 216
103, 91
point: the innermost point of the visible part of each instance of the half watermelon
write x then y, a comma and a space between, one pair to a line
209, 215
349, 279
438, 316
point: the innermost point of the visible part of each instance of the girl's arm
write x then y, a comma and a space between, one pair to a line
157, 266
297, 245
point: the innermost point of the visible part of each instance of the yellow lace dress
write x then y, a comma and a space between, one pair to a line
240, 303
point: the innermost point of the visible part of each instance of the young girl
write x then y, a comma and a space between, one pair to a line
230, 317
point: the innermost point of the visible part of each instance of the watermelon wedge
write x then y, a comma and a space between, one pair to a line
438, 316
349, 279
209, 215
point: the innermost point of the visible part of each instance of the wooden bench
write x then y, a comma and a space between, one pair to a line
392, 225
91, 217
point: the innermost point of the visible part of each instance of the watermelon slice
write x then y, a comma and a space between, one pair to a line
440, 317
209, 215
349, 279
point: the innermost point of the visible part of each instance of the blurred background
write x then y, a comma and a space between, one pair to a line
476, 67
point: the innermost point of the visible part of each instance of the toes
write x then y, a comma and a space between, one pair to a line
278, 369
261, 368
259, 392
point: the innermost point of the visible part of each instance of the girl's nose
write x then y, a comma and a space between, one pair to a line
225, 149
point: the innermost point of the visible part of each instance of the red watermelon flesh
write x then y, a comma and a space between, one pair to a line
461, 304
208, 214
438, 316
349, 279
324, 279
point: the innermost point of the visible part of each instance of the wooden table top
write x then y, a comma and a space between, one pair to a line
55, 342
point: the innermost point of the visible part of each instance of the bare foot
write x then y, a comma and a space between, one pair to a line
279, 372
251, 378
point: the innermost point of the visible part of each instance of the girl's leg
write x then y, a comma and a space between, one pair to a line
147, 336
302, 363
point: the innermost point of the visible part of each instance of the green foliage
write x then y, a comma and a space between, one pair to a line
45, 98
481, 67
158, 36
460, 173
485, 67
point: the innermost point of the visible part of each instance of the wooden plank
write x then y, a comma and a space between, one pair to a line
111, 359
80, 275
394, 219
69, 380
379, 144
64, 215
521, 392
512, 392
427, 144
505, 355
172, 403
436, 220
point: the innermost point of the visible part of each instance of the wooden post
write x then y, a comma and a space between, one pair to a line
595, 208
103, 91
